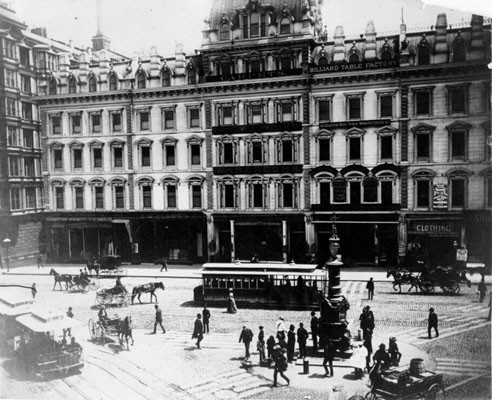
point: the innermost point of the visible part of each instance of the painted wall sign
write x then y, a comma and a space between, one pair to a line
440, 196
434, 228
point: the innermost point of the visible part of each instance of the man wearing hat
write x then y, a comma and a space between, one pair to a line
314, 330
381, 357
395, 355
246, 337
281, 329
280, 367
198, 330
432, 323
260, 345
103, 315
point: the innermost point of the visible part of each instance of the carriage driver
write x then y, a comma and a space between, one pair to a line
103, 316
119, 285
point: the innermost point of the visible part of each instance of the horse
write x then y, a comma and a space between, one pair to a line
59, 278
93, 265
125, 331
402, 277
147, 288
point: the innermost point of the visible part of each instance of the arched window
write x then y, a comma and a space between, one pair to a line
191, 77
354, 58
284, 26
52, 86
113, 82
254, 25
166, 79
92, 84
72, 86
141, 80
225, 32
322, 62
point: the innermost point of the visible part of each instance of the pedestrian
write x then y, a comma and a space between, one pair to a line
260, 345
314, 330
102, 315
368, 346
86, 274
482, 289
34, 291
231, 308
328, 357
40, 261
394, 353
432, 323
370, 289
359, 358
291, 343
206, 318
381, 358
198, 330
68, 331
158, 319
270, 345
366, 321
302, 335
246, 337
281, 329
164, 264
280, 367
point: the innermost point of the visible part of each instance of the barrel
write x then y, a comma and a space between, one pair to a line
417, 366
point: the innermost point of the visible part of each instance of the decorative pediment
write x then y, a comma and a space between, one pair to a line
354, 132
354, 168
458, 125
423, 128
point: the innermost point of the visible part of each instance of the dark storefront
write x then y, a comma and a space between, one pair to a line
478, 236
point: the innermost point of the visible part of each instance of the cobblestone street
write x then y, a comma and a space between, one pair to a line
169, 365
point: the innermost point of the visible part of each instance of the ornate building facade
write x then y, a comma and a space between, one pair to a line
251, 145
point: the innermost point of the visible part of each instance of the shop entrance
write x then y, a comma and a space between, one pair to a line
264, 240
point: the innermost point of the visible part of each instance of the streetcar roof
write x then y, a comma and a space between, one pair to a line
14, 303
269, 267
46, 321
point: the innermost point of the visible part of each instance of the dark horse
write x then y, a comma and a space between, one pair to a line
403, 277
147, 288
59, 278
93, 265
125, 331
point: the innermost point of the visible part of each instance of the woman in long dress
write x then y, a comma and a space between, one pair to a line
231, 308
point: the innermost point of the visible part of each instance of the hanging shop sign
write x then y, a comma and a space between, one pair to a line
440, 196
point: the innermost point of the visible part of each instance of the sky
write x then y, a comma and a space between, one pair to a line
135, 26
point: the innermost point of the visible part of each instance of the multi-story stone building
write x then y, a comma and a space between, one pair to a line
253, 143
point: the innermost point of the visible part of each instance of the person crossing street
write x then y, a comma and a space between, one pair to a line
158, 319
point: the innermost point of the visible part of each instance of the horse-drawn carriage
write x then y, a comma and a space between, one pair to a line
74, 283
427, 279
116, 295
406, 384
108, 265
115, 327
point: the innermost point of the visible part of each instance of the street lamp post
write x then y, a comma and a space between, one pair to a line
6, 244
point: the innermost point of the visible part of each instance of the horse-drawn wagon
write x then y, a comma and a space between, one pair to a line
109, 265
117, 295
427, 279
111, 327
39, 352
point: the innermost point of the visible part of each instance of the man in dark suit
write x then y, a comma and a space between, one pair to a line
328, 357
432, 323
158, 319
246, 337
302, 335
314, 330
198, 330
206, 318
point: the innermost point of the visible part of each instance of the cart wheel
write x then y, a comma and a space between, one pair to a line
103, 299
93, 329
427, 287
94, 284
371, 396
451, 287
435, 392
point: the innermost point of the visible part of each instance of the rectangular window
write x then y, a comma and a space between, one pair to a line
287, 195
168, 119
254, 27
257, 152
119, 197
458, 145
30, 197
286, 112
227, 115
10, 80
262, 25
324, 193
245, 27
26, 83
355, 192
423, 194
79, 197
24, 56
97, 157
257, 194
118, 157
12, 138
457, 99
145, 156
354, 148
96, 123
387, 193
29, 169
228, 196
171, 196
77, 158
28, 135
386, 106
422, 103
15, 199
324, 110
76, 124
196, 195
195, 154
423, 148
14, 166
194, 115
99, 197
458, 193
354, 105
170, 155
287, 151
56, 125
26, 110
228, 153
60, 198
386, 147
144, 120
147, 196
58, 159
11, 107
116, 122
256, 114
9, 49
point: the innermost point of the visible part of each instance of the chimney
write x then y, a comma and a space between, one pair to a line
41, 31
